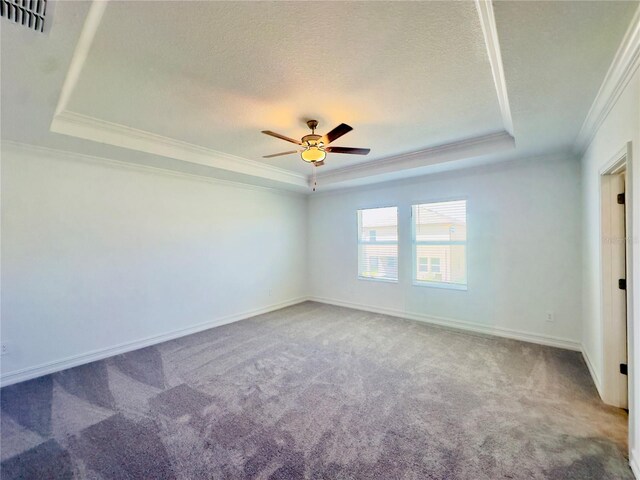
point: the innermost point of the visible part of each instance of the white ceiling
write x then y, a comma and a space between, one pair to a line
555, 56
202, 79
215, 74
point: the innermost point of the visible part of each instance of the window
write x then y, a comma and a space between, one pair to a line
378, 243
435, 265
440, 244
423, 265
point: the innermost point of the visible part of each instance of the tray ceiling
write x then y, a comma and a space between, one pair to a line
214, 74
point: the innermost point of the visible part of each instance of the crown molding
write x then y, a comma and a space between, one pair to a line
88, 33
624, 65
82, 126
462, 149
56, 154
101, 131
481, 168
490, 32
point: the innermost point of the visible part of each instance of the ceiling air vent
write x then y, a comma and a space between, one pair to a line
29, 13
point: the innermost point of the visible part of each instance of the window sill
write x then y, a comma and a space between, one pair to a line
381, 280
447, 286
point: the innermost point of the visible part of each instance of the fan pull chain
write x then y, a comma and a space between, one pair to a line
315, 183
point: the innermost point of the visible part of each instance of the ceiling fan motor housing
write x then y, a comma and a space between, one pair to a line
311, 140
314, 151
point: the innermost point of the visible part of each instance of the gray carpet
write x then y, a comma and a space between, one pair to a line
318, 392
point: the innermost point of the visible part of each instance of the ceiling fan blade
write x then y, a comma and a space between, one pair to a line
318, 164
282, 137
336, 133
281, 153
351, 150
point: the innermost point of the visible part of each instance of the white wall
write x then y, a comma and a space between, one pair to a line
97, 255
621, 126
523, 250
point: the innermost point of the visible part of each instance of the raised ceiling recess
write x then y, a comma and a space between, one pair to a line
421, 83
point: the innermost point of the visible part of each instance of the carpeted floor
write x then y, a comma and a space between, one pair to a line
319, 392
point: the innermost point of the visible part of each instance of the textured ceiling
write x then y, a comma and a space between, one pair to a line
405, 75
555, 56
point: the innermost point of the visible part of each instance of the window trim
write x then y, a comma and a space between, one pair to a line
414, 251
378, 242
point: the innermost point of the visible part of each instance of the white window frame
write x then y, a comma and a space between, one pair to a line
414, 250
379, 242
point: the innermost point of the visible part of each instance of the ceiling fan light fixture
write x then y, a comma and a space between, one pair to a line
315, 147
313, 154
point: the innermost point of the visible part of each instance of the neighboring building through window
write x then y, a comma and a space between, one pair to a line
373, 265
435, 265
423, 265
378, 243
440, 244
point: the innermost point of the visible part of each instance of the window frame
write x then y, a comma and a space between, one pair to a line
381, 242
414, 251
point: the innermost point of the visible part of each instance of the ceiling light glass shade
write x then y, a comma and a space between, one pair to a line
313, 154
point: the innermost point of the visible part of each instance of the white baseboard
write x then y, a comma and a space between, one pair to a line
633, 463
459, 324
592, 371
76, 360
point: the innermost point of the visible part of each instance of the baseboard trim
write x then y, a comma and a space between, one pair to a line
76, 360
633, 463
592, 371
459, 324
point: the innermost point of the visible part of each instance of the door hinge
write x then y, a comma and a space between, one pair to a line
623, 369
621, 198
622, 284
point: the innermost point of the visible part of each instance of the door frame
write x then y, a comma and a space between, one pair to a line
616, 389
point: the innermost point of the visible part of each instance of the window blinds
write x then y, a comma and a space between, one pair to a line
440, 242
378, 243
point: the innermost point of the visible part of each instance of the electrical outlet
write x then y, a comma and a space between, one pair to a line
550, 317
3, 349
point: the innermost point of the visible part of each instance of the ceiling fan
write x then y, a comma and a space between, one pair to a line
315, 147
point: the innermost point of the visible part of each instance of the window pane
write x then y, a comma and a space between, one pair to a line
379, 224
440, 236
378, 243
441, 221
448, 263
379, 261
